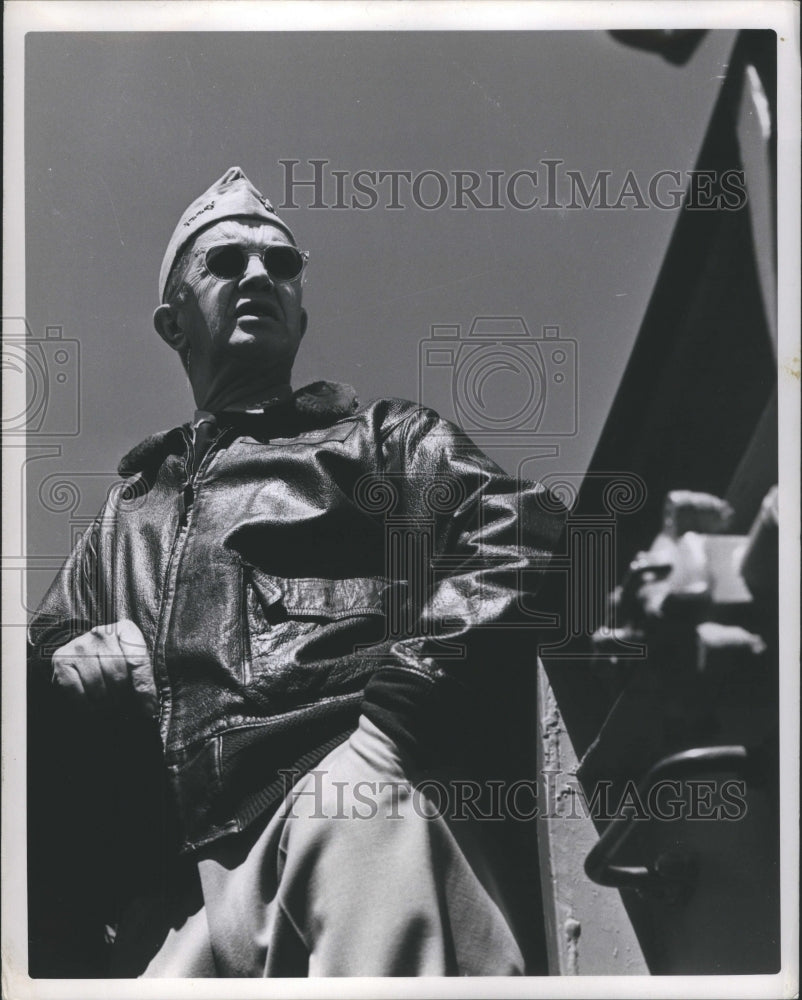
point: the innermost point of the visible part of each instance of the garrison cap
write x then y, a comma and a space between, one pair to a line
231, 197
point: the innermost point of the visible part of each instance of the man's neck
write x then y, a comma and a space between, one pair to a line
242, 394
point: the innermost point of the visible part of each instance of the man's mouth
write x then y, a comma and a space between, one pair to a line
254, 309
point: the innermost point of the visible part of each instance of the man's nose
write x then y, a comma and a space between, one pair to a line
255, 272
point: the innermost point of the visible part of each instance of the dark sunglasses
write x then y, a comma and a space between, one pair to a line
229, 261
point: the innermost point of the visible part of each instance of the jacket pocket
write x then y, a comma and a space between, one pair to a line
304, 635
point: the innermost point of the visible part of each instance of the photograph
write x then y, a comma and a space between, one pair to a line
400, 443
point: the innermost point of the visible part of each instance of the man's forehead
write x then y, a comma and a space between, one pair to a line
249, 232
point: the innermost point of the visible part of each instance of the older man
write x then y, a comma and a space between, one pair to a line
293, 588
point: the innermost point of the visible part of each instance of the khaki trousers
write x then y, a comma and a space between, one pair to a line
356, 874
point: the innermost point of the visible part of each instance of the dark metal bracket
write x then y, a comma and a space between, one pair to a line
673, 874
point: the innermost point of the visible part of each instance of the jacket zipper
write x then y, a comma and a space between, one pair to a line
187, 497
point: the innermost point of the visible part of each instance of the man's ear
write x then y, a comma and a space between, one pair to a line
165, 320
304, 319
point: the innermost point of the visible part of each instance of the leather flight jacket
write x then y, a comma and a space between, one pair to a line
321, 561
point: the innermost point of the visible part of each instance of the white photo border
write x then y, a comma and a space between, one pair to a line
779, 15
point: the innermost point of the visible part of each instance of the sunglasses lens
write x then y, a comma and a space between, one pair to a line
283, 263
226, 262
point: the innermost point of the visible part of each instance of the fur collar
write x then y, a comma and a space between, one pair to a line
318, 404
325, 402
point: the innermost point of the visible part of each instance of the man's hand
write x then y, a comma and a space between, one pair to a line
105, 665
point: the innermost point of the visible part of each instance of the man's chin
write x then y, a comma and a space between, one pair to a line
260, 346
257, 335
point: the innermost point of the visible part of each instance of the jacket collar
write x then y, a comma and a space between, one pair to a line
318, 404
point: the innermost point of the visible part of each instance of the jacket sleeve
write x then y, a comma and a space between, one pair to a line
481, 540
75, 601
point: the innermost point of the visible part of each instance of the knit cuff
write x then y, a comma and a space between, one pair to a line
409, 708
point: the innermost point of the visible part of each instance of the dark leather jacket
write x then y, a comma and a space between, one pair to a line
324, 560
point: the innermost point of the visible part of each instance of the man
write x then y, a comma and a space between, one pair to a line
290, 588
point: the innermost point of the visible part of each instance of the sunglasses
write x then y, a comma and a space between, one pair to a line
282, 262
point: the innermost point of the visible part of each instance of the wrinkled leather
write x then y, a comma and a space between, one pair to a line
271, 609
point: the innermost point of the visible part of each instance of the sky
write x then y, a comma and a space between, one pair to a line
123, 130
